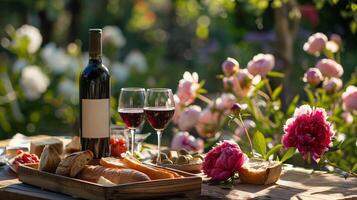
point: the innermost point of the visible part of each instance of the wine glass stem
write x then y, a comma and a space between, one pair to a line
158, 158
132, 132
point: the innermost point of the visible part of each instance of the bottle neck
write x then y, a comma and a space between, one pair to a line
95, 60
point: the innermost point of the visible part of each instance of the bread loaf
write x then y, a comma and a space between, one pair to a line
74, 163
36, 147
49, 159
118, 176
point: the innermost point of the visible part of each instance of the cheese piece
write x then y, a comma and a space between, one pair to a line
37, 146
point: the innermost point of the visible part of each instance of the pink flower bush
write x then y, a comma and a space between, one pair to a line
187, 88
208, 123
308, 131
349, 98
223, 161
330, 68
183, 140
188, 117
315, 44
332, 85
261, 64
230, 66
225, 102
313, 76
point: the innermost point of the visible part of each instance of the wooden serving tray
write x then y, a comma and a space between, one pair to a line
188, 185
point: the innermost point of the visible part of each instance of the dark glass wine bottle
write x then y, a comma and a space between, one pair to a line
94, 98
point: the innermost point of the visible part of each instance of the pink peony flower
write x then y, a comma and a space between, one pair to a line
347, 117
208, 123
242, 83
187, 88
261, 64
223, 161
230, 66
183, 140
308, 131
330, 68
313, 76
349, 98
336, 38
188, 117
315, 44
332, 85
226, 101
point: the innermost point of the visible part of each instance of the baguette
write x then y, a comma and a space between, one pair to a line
153, 173
74, 163
92, 173
111, 162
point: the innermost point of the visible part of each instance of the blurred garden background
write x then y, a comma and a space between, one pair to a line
151, 43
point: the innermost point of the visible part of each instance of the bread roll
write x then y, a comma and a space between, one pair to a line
49, 159
74, 163
118, 176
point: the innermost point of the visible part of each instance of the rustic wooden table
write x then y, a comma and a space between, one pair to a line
295, 183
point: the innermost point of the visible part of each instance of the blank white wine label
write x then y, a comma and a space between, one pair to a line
95, 118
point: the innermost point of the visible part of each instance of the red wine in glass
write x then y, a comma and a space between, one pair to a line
159, 117
132, 117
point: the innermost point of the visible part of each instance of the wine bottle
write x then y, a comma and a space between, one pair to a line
95, 100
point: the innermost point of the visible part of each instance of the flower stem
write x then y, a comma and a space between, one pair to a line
204, 99
270, 91
350, 173
239, 121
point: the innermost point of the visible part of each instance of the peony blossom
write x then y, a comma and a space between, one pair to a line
30, 33
261, 64
336, 38
55, 58
225, 102
223, 161
315, 44
136, 61
188, 88
113, 35
308, 131
347, 117
242, 83
313, 76
208, 122
349, 98
230, 66
332, 85
34, 82
330, 68
183, 140
188, 117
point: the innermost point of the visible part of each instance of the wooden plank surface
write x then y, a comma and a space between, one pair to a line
294, 184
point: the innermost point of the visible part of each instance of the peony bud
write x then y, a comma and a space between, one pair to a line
261, 64
349, 98
313, 76
332, 85
336, 38
330, 68
230, 66
236, 108
315, 44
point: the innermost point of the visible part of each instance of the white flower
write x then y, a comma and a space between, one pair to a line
34, 82
55, 58
136, 60
119, 71
32, 34
68, 89
113, 35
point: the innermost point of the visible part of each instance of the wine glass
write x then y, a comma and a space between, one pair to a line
131, 110
159, 109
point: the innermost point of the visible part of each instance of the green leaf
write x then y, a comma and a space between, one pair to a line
354, 168
259, 86
259, 143
310, 95
292, 105
276, 74
276, 92
289, 153
273, 150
